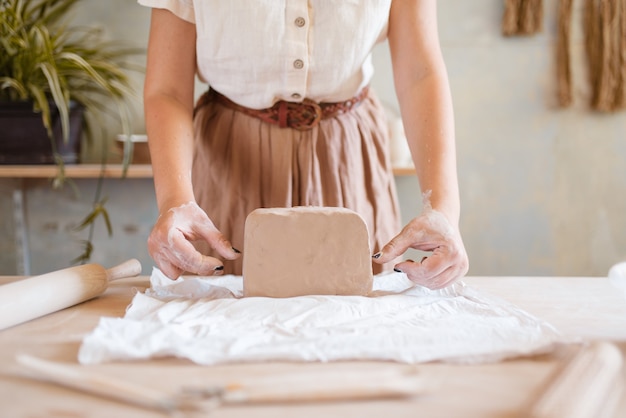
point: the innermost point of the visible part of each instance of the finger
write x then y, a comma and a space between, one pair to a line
427, 270
445, 271
186, 256
456, 258
435, 264
167, 268
445, 279
224, 247
393, 249
217, 241
418, 273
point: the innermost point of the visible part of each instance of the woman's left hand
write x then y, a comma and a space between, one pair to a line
431, 231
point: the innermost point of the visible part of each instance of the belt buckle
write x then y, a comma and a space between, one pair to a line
307, 115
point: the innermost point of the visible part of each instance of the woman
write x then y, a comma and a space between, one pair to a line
289, 121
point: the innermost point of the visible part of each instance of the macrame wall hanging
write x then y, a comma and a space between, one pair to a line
522, 17
604, 24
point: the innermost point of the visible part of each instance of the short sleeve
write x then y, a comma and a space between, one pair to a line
181, 8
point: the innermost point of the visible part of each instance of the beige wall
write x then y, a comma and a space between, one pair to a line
543, 190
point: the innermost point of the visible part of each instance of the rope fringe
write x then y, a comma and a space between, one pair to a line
604, 25
522, 17
563, 68
605, 44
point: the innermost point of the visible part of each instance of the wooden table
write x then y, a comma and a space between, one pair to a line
586, 307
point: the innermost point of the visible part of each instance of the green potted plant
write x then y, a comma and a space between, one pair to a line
55, 80
54, 69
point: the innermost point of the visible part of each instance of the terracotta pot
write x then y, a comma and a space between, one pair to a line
24, 140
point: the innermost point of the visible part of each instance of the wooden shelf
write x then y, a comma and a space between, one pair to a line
75, 171
78, 171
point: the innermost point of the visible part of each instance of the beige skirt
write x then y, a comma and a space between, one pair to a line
242, 163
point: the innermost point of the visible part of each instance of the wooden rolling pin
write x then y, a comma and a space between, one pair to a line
36, 296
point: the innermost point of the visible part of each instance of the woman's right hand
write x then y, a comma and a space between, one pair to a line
170, 242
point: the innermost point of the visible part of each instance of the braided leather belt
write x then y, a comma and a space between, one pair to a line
302, 116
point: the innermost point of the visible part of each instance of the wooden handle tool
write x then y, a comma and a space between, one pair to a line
81, 379
325, 387
36, 296
306, 387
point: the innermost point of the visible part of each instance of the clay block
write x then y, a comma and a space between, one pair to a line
306, 251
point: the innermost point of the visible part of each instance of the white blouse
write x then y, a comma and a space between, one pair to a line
257, 52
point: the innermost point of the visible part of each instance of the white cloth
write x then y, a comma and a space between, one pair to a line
207, 321
284, 50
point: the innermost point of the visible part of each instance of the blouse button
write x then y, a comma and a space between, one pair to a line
298, 64
299, 22
296, 96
